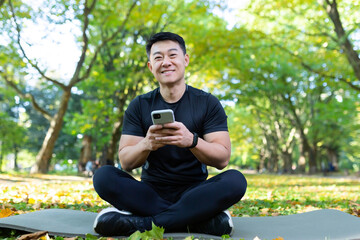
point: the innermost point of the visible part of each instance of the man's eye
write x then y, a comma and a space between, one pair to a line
173, 55
157, 58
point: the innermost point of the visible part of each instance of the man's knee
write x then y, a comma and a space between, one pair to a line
103, 173
103, 177
236, 182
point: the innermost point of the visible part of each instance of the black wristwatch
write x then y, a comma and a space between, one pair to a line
195, 140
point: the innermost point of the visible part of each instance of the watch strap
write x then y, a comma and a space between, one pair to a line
195, 140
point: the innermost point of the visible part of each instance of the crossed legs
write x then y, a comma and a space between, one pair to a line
196, 204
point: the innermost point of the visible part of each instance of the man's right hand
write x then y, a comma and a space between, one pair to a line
134, 150
150, 141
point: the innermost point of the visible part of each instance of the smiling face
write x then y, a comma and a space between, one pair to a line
167, 62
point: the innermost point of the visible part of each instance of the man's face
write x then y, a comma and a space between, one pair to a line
167, 62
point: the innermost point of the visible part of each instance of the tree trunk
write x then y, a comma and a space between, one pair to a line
116, 133
43, 158
111, 149
86, 152
262, 164
346, 45
1, 155
269, 164
275, 161
115, 136
333, 158
104, 155
304, 145
312, 160
287, 162
16, 151
302, 158
272, 164
311, 153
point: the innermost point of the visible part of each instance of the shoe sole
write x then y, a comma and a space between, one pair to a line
231, 223
106, 210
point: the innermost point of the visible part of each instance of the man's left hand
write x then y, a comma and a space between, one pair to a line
176, 134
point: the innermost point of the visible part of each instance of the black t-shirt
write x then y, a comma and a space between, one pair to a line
199, 111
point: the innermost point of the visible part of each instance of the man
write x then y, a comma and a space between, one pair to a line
174, 191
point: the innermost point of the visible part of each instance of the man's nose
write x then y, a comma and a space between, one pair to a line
166, 61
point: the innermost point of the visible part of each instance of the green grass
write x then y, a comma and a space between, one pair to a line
267, 195
273, 195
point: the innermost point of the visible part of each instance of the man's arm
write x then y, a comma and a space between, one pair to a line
214, 150
134, 150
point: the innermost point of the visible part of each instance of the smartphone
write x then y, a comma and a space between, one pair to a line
162, 116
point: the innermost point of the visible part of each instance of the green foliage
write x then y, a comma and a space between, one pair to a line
283, 77
154, 233
12, 135
121, 71
281, 71
245, 135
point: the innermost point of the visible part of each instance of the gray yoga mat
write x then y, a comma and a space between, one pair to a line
318, 225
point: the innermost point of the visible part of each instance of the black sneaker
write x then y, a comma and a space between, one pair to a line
113, 222
219, 225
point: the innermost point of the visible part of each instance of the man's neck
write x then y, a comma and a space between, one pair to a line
172, 94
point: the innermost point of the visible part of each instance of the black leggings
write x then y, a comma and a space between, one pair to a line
170, 207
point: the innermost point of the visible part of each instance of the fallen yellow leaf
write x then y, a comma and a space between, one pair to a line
62, 205
5, 212
264, 211
35, 235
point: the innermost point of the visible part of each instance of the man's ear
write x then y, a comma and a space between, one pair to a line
187, 60
149, 66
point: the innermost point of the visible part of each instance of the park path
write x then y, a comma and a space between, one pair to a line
8, 179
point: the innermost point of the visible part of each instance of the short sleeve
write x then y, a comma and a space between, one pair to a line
215, 119
132, 119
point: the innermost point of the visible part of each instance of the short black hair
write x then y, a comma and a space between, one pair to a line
162, 36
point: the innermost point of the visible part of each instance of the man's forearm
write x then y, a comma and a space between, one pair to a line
132, 157
212, 154
214, 149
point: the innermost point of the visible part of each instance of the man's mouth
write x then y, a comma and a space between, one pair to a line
167, 71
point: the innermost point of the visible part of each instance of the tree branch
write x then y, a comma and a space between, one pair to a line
87, 11
104, 42
36, 106
314, 22
343, 40
34, 65
2, 3
311, 69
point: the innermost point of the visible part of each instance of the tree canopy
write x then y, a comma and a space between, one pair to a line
287, 72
